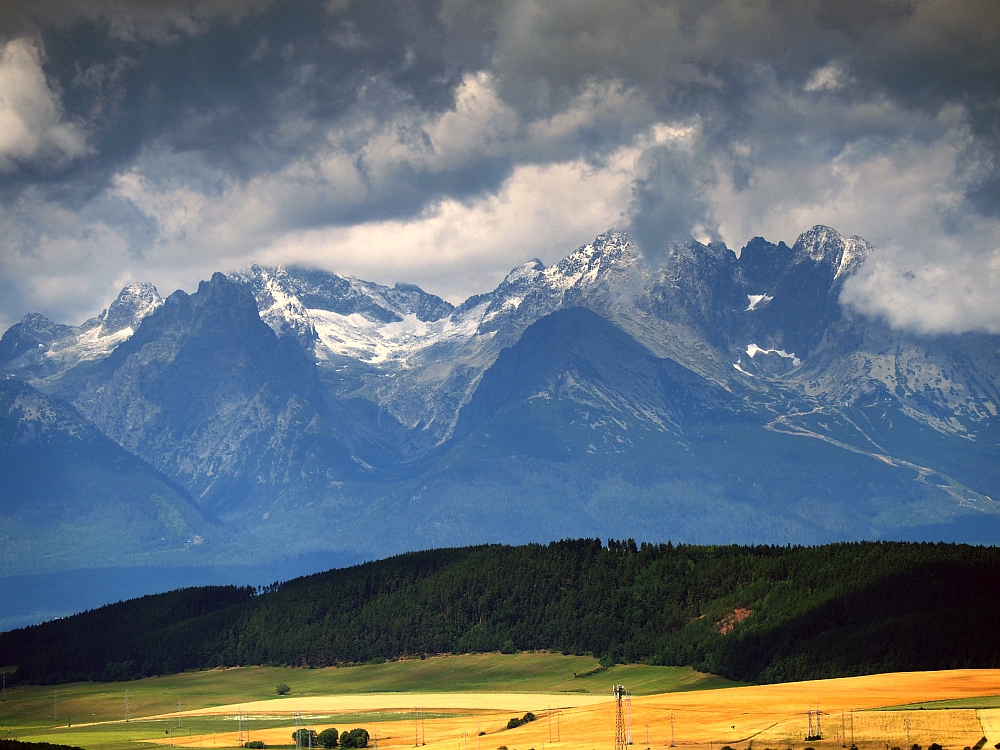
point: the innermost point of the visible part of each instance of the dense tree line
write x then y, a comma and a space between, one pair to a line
761, 614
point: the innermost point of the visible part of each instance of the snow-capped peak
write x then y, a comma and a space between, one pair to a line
134, 302
525, 272
822, 244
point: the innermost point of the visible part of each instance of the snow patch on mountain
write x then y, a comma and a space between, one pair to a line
753, 350
756, 299
378, 343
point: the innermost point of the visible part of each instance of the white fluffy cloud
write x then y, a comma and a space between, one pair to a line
32, 128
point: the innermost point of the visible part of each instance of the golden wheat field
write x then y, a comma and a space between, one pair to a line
771, 716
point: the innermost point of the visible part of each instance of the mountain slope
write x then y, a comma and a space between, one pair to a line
577, 428
71, 495
693, 393
206, 392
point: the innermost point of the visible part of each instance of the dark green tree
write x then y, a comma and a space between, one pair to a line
355, 738
305, 738
328, 738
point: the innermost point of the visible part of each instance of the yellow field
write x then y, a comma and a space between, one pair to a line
772, 716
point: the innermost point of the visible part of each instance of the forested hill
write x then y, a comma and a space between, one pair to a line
761, 614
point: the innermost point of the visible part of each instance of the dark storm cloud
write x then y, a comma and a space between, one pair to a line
238, 128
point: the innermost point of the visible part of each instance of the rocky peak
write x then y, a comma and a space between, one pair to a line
34, 333
134, 302
277, 303
763, 263
610, 252
411, 299
821, 244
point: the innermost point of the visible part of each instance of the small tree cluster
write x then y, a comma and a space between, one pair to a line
282, 689
254, 745
516, 722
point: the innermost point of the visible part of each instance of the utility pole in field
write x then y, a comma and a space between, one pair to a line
628, 718
619, 693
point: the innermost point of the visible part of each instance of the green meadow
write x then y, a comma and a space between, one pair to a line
986, 701
60, 714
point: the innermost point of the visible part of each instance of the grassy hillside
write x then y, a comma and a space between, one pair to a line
33, 705
769, 716
760, 614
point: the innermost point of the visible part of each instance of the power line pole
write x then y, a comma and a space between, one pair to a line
126, 706
628, 717
671, 731
843, 730
906, 723
180, 716
55, 704
619, 693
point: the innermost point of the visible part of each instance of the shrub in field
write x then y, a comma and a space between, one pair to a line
328, 738
254, 745
282, 689
934, 746
515, 722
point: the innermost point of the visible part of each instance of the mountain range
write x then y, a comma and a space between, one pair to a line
690, 394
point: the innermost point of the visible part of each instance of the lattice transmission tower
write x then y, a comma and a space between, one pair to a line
620, 740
